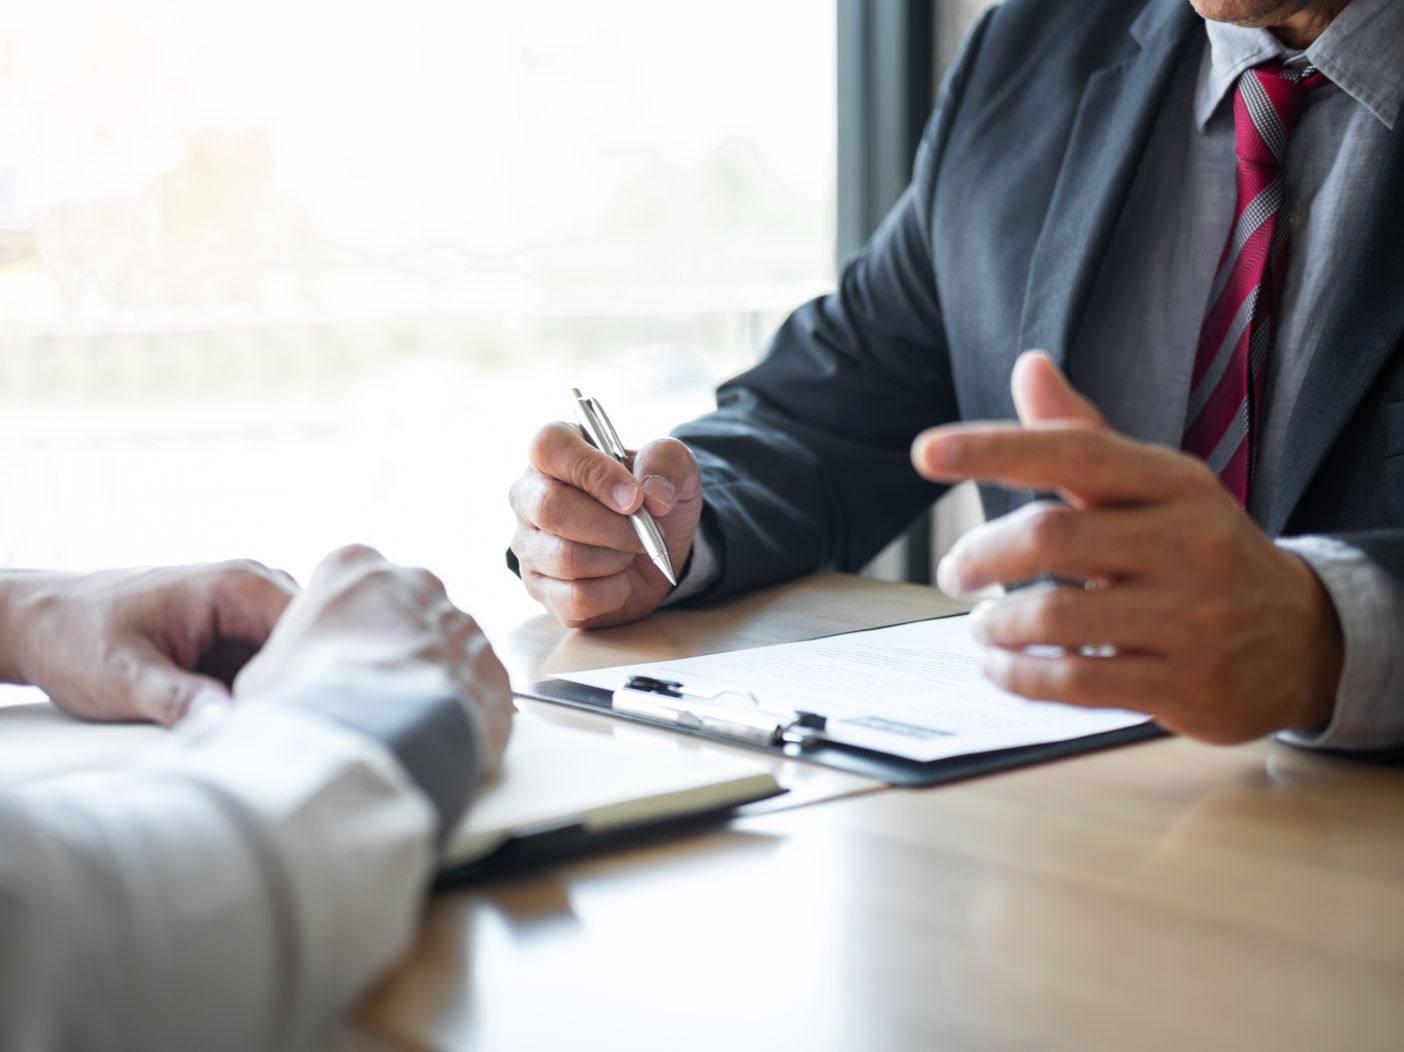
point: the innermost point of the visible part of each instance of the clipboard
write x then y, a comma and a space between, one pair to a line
896, 770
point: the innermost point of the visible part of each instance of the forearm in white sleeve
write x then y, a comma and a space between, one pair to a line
1369, 601
236, 893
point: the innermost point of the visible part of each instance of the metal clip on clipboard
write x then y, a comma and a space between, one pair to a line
663, 700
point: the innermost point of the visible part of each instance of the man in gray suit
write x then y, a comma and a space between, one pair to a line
1196, 212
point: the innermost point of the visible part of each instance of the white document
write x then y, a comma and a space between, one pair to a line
914, 690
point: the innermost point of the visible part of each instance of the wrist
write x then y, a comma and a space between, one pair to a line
15, 586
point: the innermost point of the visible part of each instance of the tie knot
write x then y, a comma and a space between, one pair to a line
1266, 107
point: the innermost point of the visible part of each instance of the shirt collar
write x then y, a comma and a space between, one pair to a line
1362, 51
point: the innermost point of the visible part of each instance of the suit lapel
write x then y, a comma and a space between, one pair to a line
1365, 325
1114, 121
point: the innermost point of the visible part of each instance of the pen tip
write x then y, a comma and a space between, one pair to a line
665, 566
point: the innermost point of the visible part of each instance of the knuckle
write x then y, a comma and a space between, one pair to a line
549, 512
1047, 613
548, 442
668, 456
1198, 686
572, 560
425, 580
1084, 451
1078, 680
575, 605
1213, 617
352, 554
373, 576
1048, 530
244, 568
1212, 544
596, 473
240, 573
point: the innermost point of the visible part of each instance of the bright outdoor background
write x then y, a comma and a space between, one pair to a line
277, 275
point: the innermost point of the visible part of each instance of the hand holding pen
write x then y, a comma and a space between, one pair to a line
582, 554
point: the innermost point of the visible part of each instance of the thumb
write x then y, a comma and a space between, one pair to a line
1042, 393
669, 475
164, 692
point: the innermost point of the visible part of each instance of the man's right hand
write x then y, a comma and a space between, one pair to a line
579, 555
362, 612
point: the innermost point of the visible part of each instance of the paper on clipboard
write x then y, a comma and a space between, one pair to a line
913, 690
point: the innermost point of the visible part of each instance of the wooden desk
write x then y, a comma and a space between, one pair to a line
1162, 896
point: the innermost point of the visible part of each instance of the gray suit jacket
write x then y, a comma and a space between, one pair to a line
1018, 187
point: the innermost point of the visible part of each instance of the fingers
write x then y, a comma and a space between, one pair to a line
248, 599
483, 684
1137, 683
164, 693
561, 510
1132, 618
580, 555
1084, 462
669, 475
347, 560
560, 451
1041, 392
1049, 538
366, 586
578, 603
566, 560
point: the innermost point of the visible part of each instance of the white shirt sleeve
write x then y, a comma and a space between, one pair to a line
1369, 601
235, 893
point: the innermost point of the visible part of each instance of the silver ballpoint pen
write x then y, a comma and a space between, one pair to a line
600, 431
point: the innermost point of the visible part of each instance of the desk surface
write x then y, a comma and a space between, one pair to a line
1167, 895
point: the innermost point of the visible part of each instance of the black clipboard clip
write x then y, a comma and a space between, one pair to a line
668, 701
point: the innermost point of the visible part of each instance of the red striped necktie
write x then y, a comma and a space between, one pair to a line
1230, 365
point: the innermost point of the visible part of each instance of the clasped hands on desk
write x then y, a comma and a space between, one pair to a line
1168, 895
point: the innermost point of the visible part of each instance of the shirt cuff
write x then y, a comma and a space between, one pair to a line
1369, 601
418, 720
703, 568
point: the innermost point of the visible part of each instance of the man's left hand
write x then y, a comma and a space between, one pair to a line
1190, 612
137, 644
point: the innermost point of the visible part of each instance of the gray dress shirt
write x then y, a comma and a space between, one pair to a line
1134, 353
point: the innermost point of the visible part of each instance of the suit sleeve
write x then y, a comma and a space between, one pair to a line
237, 892
805, 464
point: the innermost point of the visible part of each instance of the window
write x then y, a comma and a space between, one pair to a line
283, 274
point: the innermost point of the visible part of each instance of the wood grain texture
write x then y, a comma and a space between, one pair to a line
1165, 896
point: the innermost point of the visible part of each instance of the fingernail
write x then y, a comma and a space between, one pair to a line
659, 488
948, 577
624, 495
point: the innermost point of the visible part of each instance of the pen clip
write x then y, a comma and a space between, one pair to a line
610, 434
598, 430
